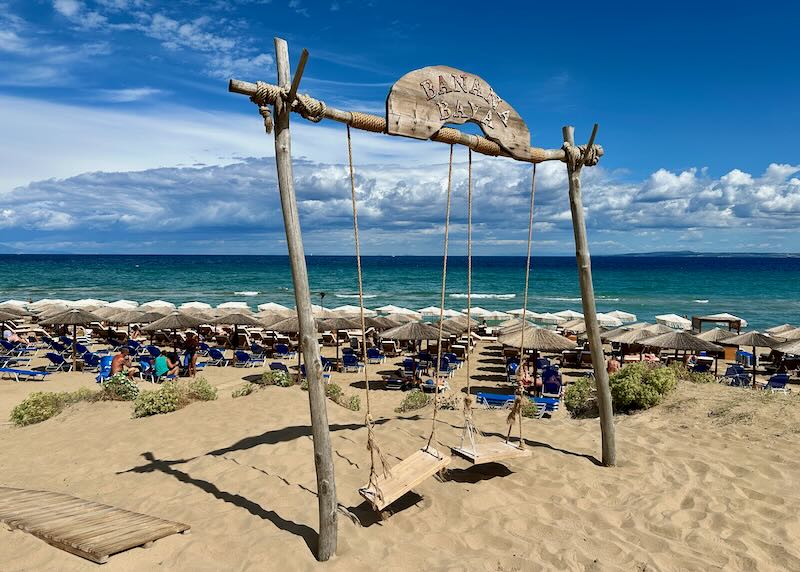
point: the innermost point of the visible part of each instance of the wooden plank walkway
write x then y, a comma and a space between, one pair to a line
92, 530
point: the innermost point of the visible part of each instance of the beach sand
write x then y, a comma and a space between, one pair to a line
709, 480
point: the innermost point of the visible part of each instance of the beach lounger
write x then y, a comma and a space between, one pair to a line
258, 351
57, 363
550, 403
374, 355
278, 366
736, 376
394, 383
244, 359
389, 348
777, 383
430, 386
350, 363
105, 369
495, 400
24, 374
282, 351
216, 357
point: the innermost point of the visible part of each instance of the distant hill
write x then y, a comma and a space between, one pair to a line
693, 254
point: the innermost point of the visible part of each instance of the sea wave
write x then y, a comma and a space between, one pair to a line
701, 301
366, 296
246, 293
498, 296
560, 299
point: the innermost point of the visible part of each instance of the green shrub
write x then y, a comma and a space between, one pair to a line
40, 406
415, 399
333, 392
37, 407
353, 403
640, 386
119, 387
200, 390
242, 390
579, 397
528, 408
304, 384
168, 398
682, 372
276, 377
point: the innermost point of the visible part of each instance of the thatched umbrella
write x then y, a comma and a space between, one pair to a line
513, 325
175, 321
777, 330
537, 339
790, 334
610, 336
790, 347
106, 312
402, 318
576, 326
414, 331
384, 323
754, 340
658, 329
75, 317
716, 335
15, 309
681, 340
236, 319
6, 317
134, 316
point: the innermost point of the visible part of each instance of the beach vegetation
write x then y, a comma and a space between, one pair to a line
41, 406
580, 398
353, 403
199, 389
244, 389
640, 386
529, 409
276, 377
415, 399
684, 373
166, 399
333, 391
119, 387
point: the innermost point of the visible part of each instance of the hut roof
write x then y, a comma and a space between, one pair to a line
679, 340
537, 338
412, 331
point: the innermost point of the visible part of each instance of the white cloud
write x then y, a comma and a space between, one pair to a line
68, 8
128, 95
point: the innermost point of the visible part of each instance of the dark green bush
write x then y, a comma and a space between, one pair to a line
168, 398
276, 377
579, 397
333, 392
353, 403
641, 386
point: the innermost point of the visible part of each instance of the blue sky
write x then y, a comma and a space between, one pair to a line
120, 136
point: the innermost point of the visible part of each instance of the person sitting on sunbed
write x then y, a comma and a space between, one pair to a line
122, 364
166, 365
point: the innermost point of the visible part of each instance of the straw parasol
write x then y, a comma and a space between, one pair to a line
680, 340
415, 331
236, 319
174, 321
633, 336
779, 329
513, 325
17, 311
537, 339
383, 323
791, 347
134, 316
658, 329
610, 335
576, 326
716, 335
754, 340
790, 334
75, 317
106, 312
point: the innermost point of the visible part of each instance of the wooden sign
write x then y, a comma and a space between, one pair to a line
424, 100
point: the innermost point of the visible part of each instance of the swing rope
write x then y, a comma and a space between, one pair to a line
369, 423
516, 409
441, 305
469, 424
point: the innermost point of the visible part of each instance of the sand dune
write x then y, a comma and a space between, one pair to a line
707, 481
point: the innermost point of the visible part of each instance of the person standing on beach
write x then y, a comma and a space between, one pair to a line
191, 345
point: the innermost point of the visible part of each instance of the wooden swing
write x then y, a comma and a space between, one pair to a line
475, 451
392, 483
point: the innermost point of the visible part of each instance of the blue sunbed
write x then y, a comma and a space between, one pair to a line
24, 374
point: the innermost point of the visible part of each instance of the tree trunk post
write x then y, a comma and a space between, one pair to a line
589, 308
323, 458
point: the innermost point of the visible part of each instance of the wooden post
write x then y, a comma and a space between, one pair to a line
589, 309
323, 458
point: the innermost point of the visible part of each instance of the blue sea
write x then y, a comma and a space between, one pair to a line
764, 291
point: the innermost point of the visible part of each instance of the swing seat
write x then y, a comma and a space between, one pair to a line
482, 453
404, 476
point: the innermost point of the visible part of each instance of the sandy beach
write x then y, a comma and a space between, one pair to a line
708, 480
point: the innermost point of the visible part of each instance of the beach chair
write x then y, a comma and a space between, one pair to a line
105, 369
24, 374
374, 355
146, 370
203, 348
445, 368
278, 366
153, 351
282, 351
389, 348
57, 363
258, 351
494, 400
455, 363
244, 359
777, 383
216, 357
736, 376
511, 371
552, 385
14, 361
328, 339
327, 365
550, 403
542, 363
350, 363
395, 383
700, 368
91, 361
409, 369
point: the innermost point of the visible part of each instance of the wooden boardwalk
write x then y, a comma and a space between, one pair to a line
92, 530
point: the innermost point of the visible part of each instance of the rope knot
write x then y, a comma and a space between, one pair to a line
308, 107
578, 155
264, 93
